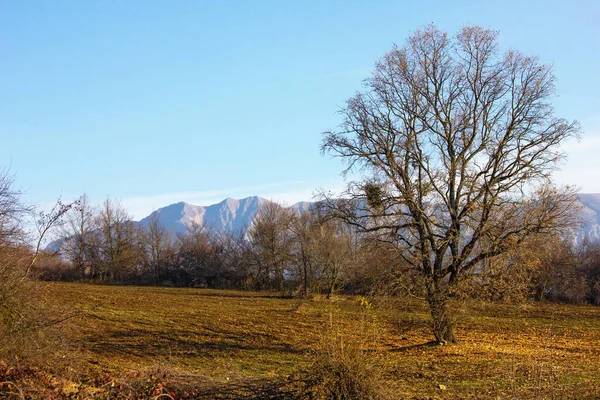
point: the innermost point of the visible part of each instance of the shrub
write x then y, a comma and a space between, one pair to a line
343, 369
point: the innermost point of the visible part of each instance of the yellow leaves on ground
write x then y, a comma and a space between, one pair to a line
523, 351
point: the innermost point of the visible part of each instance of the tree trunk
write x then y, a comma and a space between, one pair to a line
279, 280
330, 290
305, 280
332, 281
437, 297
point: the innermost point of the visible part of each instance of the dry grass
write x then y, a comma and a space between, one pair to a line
197, 342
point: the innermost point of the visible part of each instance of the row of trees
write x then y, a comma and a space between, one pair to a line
303, 253
283, 250
543, 267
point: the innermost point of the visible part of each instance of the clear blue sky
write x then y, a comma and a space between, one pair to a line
154, 102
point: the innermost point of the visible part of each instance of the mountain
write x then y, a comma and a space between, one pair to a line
230, 215
590, 215
233, 215
237, 214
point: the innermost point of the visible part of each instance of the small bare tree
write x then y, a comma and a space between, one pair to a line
159, 246
333, 245
77, 236
271, 237
196, 259
12, 211
303, 228
13, 252
119, 251
454, 136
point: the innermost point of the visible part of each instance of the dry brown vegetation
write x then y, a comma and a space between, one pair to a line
144, 342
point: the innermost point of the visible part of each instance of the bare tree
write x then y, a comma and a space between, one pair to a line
196, 259
13, 238
119, 249
534, 269
588, 261
159, 249
303, 227
334, 249
45, 222
270, 234
12, 210
22, 318
455, 137
233, 252
78, 235
14, 255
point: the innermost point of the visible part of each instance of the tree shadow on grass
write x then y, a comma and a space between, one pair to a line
207, 292
432, 343
212, 343
263, 389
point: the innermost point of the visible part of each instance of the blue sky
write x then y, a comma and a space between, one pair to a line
154, 102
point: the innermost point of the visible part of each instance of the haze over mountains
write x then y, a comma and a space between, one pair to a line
233, 215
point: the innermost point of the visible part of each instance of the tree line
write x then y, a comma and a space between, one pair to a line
282, 250
300, 253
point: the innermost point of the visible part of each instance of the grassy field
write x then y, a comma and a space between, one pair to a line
184, 341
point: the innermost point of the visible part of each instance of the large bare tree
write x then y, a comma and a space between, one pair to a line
453, 138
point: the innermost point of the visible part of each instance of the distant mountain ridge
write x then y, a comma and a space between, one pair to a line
233, 215
237, 215
230, 215
590, 215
